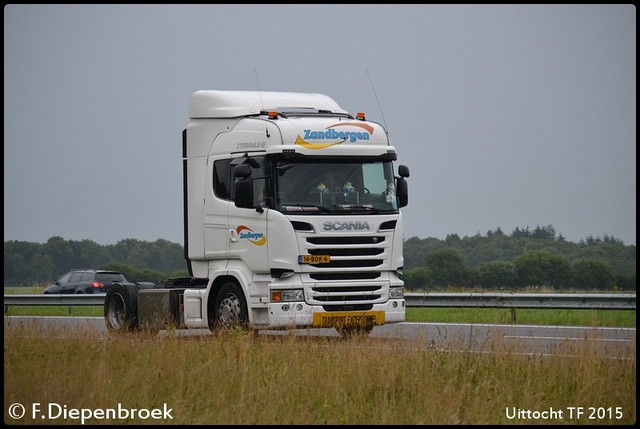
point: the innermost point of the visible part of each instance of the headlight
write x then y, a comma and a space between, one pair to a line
287, 295
396, 292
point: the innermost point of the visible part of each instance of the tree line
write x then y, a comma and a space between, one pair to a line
28, 262
525, 259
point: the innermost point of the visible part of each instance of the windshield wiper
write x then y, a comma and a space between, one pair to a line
356, 207
304, 208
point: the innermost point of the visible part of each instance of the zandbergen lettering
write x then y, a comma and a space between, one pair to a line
332, 134
246, 233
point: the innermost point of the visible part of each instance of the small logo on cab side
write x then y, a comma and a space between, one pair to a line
246, 233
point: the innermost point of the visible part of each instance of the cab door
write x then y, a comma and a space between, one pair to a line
247, 231
216, 209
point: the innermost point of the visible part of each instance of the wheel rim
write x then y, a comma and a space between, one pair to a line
116, 311
229, 312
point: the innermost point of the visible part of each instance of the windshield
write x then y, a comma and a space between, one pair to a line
335, 187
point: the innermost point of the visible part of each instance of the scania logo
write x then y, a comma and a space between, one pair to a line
337, 225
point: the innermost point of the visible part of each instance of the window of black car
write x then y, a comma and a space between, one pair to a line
75, 277
86, 277
110, 277
64, 278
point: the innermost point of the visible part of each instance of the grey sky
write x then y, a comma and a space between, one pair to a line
507, 115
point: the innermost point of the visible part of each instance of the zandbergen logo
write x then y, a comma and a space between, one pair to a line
246, 233
338, 137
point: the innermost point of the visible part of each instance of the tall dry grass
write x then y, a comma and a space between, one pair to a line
252, 379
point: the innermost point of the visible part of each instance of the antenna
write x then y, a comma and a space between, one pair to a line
261, 102
376, 95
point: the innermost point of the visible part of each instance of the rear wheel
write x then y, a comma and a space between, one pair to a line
230, 311
121, 308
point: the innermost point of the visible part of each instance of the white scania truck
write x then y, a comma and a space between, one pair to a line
291, 220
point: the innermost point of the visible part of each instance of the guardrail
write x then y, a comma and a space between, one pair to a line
607, 301
52, 299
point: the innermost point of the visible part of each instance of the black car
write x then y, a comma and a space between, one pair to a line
85, 281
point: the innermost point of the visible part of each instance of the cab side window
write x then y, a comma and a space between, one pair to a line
222, 179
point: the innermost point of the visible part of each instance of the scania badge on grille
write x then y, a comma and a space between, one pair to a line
358, 225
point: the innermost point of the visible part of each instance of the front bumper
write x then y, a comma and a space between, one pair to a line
301, 314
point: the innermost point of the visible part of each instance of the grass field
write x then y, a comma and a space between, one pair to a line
234, 378
238, 378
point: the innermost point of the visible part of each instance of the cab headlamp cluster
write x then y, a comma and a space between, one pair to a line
287, 295
396, 292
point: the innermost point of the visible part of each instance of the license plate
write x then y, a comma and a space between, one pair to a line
348, 319
314, 259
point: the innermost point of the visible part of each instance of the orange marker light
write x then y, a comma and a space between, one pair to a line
360, 116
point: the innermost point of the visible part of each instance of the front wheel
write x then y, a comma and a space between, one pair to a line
230, 311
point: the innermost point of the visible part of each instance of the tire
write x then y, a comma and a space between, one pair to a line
230, 311
121, 309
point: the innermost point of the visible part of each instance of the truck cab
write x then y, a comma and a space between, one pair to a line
292, 215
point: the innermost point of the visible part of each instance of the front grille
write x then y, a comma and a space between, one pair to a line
352, 307
351, 263
342, 289
345, 276
351, 278
345, 240
346, 252
346, 294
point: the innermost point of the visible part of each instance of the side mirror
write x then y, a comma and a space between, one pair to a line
242, 171
243, 193
402, 192
402, 188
